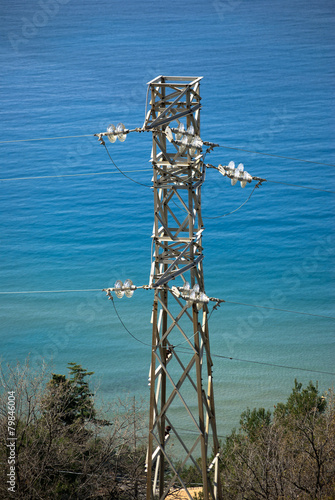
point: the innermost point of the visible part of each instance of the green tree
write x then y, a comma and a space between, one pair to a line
301, 402
254, 421
70, 399
63, 450
288, 455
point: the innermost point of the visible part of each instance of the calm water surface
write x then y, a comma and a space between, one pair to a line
70, 69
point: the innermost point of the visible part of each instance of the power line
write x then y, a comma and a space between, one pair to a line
236, 209
278, 156
141, 341
273, 364
24, 292
70, 175
47, 138
277, 309
146, 185
121, 172
229, 357
265, 363
178, 346
302, 187
124, 326
50, 291
124, 172
224, 147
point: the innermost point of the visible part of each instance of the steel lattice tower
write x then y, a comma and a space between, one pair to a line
180, 379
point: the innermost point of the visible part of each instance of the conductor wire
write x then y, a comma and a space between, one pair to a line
236, 209
121, 172
279, 156
124, 326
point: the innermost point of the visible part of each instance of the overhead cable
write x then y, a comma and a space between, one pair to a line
224, 147
47, 138
277, 309
26, 292
273, 364
301, 187
125, 172
70, 175
278, 156
178, 346
121, 172
124, 326
236, 209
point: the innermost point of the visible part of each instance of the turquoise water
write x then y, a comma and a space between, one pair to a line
70, 69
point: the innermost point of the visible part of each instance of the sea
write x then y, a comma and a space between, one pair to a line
71, 222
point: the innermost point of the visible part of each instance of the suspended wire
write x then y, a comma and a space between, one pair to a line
145, 185
144, 170
47, 138
282, 310
69, 175
149, 345
220, 355
279, 156
273, 364
124, 172
263, 363
236, 209
121, 172
124, 326
301, 187
178, 345
23, 292
224, 147
229, 357
188, 349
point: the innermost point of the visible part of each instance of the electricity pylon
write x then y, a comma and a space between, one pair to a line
181, 362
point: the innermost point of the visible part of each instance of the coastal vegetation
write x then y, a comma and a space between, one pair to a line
66, 447
285, 455
69, 447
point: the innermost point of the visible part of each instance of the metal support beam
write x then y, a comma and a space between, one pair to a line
180, 358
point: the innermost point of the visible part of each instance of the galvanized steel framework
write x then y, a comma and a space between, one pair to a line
181, 359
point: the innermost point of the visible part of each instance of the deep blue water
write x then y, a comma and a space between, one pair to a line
72, 68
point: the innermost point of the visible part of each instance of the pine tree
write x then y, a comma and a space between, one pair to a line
70, 398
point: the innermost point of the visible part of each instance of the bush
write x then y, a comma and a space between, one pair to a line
65, 448
288, 455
